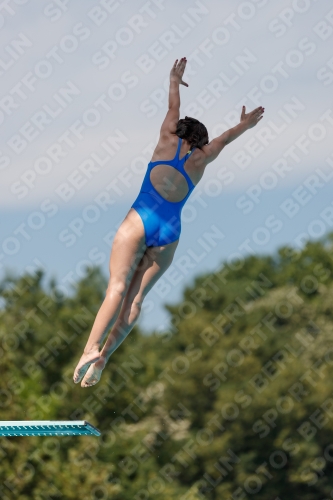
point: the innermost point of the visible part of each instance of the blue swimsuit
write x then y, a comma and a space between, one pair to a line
160, 217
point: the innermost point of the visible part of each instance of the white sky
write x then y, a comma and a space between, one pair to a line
115, 56
285, 43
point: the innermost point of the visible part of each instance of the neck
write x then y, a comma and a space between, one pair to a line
188, 145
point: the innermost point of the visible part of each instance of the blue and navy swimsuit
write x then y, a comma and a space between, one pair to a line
160, 217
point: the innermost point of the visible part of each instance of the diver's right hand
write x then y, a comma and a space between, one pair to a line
177, 71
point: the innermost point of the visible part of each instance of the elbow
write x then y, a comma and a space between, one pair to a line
225, 138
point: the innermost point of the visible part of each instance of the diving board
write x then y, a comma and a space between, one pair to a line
47, 428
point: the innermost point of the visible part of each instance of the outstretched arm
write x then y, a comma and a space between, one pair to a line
176, 79
247, 121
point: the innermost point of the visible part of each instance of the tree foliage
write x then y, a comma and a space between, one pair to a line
234, 401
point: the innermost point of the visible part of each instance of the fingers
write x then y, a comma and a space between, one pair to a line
257, 111
182, 64
178, 69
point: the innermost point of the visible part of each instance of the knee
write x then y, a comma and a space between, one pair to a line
116, 288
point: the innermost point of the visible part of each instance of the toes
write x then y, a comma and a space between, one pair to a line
89, 382
79, 374
92, 376
85, 382
81, 369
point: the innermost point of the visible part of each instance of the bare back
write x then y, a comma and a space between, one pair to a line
169, 182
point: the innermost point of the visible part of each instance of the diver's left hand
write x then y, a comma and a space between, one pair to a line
177, 71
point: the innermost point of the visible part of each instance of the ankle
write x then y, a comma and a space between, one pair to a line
101, 362
91, 349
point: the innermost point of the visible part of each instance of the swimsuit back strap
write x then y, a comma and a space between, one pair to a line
183, 171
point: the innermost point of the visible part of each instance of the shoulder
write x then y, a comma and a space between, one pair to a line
213, 149
167, 143
168, 139
201, 155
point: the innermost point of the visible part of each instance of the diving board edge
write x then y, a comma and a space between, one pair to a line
47, 428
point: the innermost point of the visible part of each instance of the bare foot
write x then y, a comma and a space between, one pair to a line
94, 373
84, 363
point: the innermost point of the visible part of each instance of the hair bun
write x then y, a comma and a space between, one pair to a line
193, 131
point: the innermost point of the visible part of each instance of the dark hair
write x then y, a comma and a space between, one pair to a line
192, 131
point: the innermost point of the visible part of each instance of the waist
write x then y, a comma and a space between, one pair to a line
154, 201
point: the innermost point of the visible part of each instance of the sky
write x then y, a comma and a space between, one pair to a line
83, 95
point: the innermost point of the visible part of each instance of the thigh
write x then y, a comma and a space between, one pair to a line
152, 266
128, 248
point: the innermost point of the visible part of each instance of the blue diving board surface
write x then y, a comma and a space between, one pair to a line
47, 428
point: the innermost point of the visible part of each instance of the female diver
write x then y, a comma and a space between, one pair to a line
146, 241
